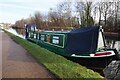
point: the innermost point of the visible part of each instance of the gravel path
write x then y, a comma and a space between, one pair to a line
17, 63
0, 54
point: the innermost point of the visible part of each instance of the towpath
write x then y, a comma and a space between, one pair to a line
18, 63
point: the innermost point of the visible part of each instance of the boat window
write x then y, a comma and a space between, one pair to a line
35, 28
35, 36
55, 40
38, 36
48, 38
29, 35
42, 37
32, 28
27, 30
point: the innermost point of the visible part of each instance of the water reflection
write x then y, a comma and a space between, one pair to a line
20, 33
113, 44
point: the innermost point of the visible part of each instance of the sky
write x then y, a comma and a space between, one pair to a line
13, 10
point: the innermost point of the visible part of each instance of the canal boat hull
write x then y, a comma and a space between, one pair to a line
99, 61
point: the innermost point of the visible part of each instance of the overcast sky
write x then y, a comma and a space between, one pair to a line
12, 10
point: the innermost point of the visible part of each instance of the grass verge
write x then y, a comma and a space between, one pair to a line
58, 65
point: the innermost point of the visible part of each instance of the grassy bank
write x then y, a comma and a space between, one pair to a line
58, 65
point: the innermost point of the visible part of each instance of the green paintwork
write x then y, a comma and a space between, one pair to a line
50, 44
57, 48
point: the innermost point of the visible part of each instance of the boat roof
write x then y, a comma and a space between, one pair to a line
83, 40
56, 32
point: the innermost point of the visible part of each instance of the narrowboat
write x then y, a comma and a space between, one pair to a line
85, 45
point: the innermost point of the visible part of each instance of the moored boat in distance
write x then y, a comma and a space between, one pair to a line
85, 45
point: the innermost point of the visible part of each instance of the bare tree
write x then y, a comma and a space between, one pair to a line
100, 7
80, 8
105, 9
84, 9
87, 12
64, 11
38, 19
117, 12
114, 18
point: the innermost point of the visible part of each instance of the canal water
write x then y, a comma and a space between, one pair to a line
116, 45
17, 32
